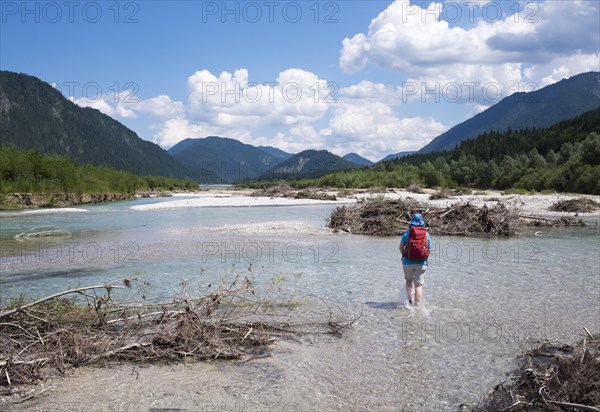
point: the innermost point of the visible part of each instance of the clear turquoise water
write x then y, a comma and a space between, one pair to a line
485, 299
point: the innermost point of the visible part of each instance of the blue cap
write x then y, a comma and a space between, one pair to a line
417, 220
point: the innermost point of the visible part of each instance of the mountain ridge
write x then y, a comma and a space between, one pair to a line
541, 108
397, 155
308, 164
231, 160
34, 115
357, 159
276, 152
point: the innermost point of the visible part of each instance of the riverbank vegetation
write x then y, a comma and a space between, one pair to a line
563, 158
32, 172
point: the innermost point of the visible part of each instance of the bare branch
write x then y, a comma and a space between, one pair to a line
56, 295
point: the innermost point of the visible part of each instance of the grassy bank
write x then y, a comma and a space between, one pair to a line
31, 172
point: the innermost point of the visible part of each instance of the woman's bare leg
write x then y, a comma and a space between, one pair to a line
409, 291
418, 295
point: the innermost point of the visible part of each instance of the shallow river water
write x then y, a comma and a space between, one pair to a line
485, 300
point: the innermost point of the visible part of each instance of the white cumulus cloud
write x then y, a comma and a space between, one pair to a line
104, 105
233, 106
159, 106
296, 96
373, 130
295, 112
544, 41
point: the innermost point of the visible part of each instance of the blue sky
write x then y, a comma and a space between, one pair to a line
372, 77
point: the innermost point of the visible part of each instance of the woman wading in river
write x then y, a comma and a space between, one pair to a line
414, 248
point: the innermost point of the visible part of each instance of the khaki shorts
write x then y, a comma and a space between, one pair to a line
416, 273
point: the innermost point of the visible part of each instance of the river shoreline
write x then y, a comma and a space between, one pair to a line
528, 204
531, 204
24, 201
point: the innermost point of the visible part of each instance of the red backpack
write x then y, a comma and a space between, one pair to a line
417, 246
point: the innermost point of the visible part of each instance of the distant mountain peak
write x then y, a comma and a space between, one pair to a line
397, 155
228, 158
310, 163
357, 159
275, 152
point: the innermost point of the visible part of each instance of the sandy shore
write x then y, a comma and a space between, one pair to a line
230, 199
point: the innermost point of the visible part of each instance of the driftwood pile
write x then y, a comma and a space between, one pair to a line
553, 222
376, 217
284, 190
314, 194
381, 217
391, 218
552, 377
446, 194
440, 194
60, 331
580, 205
469, 220
280, 190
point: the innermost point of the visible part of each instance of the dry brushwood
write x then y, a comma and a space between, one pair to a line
314, 194
414, 188
284, 190
552, 377
380, 217
280, 190
375, 217
230, 323
553, 222
469, 220
441, 194
580, 205
391, 217
447, 194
